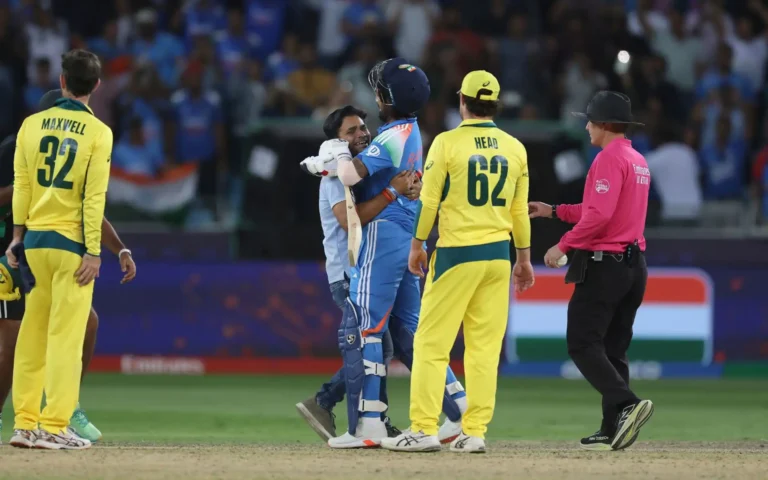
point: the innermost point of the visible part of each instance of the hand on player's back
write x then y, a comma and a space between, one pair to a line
89, 270
407, 184
416, 184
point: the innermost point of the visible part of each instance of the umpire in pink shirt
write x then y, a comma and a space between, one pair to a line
607, 267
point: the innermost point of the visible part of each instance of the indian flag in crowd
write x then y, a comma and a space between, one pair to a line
165, 196
674, 324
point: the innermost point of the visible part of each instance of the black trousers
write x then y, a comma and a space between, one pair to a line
601, 314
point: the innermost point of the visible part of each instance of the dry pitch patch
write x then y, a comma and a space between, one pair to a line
506, 460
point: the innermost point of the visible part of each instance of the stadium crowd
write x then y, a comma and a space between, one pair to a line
184, 81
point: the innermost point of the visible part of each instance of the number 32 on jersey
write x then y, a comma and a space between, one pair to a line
53, 148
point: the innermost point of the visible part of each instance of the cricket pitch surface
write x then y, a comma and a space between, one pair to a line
504, 460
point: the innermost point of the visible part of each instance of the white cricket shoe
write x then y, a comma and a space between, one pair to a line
409, 441
65, 440
468, 444
449, 431
369, 433
24, 438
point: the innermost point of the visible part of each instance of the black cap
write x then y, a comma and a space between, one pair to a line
49, 99
608, 107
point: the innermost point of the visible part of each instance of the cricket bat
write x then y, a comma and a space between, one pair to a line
354, 229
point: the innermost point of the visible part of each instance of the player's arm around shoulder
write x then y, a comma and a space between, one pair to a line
374, 158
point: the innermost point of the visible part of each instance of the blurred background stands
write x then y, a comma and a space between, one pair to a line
213, 102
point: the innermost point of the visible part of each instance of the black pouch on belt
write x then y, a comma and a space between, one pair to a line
578, 268
632, 254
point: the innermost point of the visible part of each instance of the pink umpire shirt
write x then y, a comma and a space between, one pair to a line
613, 210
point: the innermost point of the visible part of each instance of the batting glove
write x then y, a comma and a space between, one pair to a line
326, 148
320, 166
339, 149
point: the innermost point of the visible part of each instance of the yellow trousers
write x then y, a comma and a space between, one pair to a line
49, 349
469, 285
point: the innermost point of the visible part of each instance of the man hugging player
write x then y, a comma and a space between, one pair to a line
384, 296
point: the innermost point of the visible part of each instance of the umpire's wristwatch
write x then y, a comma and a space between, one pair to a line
554, 212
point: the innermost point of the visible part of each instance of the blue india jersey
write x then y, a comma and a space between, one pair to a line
397, 147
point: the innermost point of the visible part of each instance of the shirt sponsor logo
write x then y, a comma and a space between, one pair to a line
374, 151
602, 186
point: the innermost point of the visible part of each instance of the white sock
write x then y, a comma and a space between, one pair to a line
462, 403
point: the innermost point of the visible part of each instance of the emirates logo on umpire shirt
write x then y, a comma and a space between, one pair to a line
602, 186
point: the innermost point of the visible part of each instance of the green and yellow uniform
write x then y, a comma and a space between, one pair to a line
477, 177
61, 172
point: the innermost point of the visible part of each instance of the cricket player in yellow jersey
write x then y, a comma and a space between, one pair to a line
477, 177
61, 173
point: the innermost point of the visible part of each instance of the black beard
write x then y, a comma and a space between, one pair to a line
383, 116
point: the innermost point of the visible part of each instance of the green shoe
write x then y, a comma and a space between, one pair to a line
83, 427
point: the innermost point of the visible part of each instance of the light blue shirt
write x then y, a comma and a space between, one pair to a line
334, 237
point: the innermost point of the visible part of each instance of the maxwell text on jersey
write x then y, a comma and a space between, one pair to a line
64, 125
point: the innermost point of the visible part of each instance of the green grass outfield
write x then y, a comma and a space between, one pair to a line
247, 409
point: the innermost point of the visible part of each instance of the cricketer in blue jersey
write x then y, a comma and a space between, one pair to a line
347, 124
381, 286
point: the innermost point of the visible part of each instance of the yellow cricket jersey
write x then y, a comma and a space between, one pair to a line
477, 176
61, 171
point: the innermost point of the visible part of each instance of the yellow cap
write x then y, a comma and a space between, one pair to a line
9, 289
481, 85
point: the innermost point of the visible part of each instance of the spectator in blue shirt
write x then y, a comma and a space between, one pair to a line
722, 75
144, 99
199, 126
164, 50
283, 62
363, 18
205, 53
264, 25
107, 46
35, 89
723, 164
134, 155
204, 17
234, 47
723, 102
